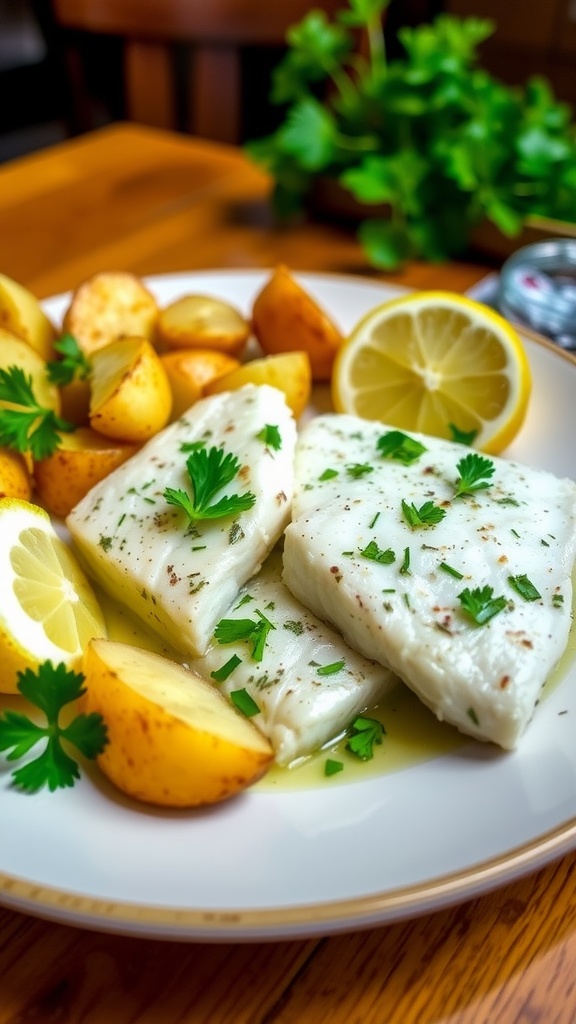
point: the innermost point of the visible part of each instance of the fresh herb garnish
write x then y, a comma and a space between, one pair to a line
428, 514
50, 689
209, 471
523, 586
220, 674
475, 472
376, 554
245, 703
466, 437
400, 446
358, 469
271, 436
332, 669
255, 633
74, 364
451, 570
328, 474
363, 734
405, 567
480, 604
27, 425
332, 767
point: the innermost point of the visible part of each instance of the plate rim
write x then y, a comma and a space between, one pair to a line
295, 921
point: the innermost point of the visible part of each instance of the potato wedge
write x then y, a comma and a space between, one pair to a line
189, 370
110, 305
285, 317
15, 479
289, 373
22, 314
174, 740
82, 460
202, 321
16, 352
130, 398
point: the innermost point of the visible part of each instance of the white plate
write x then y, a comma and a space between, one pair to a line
285, 864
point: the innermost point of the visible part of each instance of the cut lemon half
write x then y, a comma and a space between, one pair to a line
437, 363
48, 610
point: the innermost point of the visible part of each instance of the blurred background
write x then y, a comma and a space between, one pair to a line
58, 80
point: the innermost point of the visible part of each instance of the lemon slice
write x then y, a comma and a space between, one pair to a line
434, 361
48, 610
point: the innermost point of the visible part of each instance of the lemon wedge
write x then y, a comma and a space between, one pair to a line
48, 610
438, 363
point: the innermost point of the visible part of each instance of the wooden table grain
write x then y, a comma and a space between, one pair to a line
130, 198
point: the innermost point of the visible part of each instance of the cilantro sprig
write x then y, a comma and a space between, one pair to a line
428, 514
475, 473
50, 689
26, 425
209, 470
74, 364
480, 603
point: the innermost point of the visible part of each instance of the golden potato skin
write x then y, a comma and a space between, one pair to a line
202, 321
131, 398
154, 755
16, 352
189, 370
22, 314
15, 480
82, 460
289, 372
285, 317
107, 306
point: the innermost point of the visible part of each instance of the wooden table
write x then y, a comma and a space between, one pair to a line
135, 199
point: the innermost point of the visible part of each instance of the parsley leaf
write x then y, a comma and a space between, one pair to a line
480, 604
74, 364
245, 703
428, 514
359, 469
475, 472
27, 425
523, 586
270, 436
50, 689
230, 631
376, 554
396, 445
363, 734
209, 471
466, 437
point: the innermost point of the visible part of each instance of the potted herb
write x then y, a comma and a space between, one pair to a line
430, 144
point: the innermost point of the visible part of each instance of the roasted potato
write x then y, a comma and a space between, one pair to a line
189, 370
174, 740
22, 314
289, 373
15, 479
286, 318
16, 352
130, 392
108, 306
202, 321
81, 461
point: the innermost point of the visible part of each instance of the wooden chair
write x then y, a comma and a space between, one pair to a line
212, 34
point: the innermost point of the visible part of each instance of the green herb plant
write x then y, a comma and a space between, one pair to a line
25, 424
430, 139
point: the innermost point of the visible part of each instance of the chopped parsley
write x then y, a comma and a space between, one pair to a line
328, 474
451, 570
271, 436
397, 445
475, 472
428, 514
332, 767
405, 567
220, 674
209, 471
376, 554
27, 425
466, 437
331, 670
523, 586
358, 469
245, 703
363, 734
50, 689
255, 633
480, 603
74, 364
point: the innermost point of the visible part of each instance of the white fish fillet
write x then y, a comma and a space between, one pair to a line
485, 679
138, 547
301, 708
